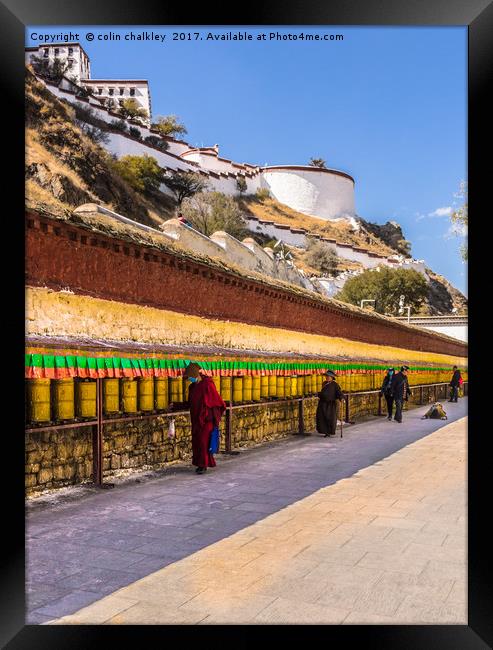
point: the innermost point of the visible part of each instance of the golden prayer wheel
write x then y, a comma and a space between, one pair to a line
256, 388
247, 388
272, 386
111, 395
237, 389
264, 386
129, 395
226, 388
85, 398
296, 386
217, 382
320, 381
281, 386
146, 393
161, 393
63, 399
314, 387
176, 389
38, 400
287, 387
307, 384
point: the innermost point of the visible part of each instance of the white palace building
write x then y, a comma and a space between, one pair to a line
314, 191
79, 72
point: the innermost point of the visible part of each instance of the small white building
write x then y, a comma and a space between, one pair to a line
78, 63
111, 92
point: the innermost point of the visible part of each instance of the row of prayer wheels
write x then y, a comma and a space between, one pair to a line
66, 399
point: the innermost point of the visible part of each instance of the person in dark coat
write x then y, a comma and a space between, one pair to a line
326, 416
400, 391
387, 392
454, 384
206, 410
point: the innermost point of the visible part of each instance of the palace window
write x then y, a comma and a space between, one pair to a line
122, 90
132, 92
111, 92
70, 63
56, 51
45, 54
70, 51
100, 91
120, 101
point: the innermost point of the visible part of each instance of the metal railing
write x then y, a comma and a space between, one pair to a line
99, 423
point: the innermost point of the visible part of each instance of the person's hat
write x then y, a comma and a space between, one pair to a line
391, 368
330, 373
192, 370
404, 368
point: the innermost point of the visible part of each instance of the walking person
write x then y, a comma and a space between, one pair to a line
386, 391
206, 410
400, 391
455, 382
326, 417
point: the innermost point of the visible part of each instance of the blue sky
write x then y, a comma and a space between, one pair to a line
387, 105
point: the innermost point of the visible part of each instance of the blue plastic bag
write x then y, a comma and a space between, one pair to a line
214, 441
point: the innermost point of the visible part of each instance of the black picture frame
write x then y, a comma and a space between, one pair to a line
14, 16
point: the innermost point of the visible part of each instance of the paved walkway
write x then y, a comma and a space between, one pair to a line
293, 532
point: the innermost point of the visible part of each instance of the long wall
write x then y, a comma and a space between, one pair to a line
61, 255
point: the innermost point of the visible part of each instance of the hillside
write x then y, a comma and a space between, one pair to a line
341, 230
65, 168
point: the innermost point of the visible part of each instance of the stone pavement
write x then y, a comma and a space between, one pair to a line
291, 532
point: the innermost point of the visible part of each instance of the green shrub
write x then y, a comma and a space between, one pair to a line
141, 172
119, 125
135, 133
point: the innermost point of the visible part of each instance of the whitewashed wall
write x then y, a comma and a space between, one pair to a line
310, 191
236, 250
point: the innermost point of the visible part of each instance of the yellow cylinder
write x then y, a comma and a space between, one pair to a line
281, 386
298, 388
111, 395
63, 399
287, 387
226, 388
247, 388
85, 398
320, 381
38, 400
146, 393
307, 384
217, 382
129, 395
176, 389
272, 386
161, 393
256, 388
264, 386
314, 388
237, 389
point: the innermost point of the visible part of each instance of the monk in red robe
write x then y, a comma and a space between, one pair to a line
206, 410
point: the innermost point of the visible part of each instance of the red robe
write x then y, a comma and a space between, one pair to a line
206, 409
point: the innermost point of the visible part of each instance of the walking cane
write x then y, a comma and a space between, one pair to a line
340, 418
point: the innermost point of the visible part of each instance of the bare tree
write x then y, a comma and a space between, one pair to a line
184, 184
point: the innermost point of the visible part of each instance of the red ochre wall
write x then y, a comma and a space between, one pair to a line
61, 255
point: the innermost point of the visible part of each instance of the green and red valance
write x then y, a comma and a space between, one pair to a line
63, 366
